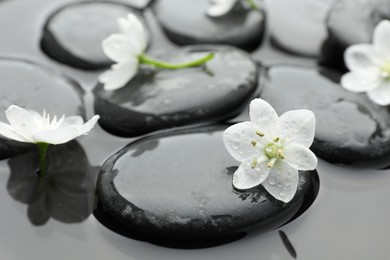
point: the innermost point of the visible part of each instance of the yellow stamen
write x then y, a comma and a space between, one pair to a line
280, 154
254, 164
271, 163
261, 134
254, 143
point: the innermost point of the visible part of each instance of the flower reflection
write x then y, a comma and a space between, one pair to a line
68, 192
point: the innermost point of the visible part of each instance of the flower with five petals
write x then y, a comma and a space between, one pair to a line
272, 149
369, 66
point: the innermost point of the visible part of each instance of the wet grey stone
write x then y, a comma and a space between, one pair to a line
30, 86
177, 186
159, 99
350, 128
74, 33
351, 22
241, 28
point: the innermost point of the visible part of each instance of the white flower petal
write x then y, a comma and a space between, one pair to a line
134, 30
56, 136
86, 128
363, 58
300, 157
247, 177
238, 141
120, 48
119, 75
263, 117
22, 121
220, 7
297, 126
7, 131
38, 117
72, 121
282, 182
381, 38
360, 82
381, 95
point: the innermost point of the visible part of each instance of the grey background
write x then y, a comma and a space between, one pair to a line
348, 220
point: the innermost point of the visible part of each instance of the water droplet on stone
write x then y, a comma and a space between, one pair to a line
167, 101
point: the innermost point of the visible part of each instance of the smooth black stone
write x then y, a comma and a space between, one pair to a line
30, 86
241, 28
350, 129
159, 99
177, 186
73, 34
68, 192
351, 22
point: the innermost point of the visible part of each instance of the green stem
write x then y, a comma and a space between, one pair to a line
253, 5
172, 66
42, 150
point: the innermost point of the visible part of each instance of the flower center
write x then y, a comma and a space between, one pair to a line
271, 150
385, 70
274, 151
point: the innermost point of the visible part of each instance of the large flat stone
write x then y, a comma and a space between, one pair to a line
159, 99
177, 187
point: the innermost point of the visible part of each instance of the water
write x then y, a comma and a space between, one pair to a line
348, 220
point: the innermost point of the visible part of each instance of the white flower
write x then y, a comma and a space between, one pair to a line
219, 8
369, 66
125, 49
31, 127
272, 149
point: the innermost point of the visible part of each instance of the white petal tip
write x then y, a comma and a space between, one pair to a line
219, 8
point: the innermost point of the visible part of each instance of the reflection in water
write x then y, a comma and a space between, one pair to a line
255, 195
286, 242
68, 192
